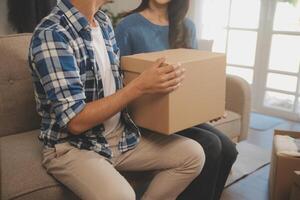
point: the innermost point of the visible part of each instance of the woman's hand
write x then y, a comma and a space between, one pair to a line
219, 118
160, 78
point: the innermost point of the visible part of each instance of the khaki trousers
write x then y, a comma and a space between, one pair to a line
178, 160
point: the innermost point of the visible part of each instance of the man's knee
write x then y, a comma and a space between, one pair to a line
119, 191
195, 157
126, 194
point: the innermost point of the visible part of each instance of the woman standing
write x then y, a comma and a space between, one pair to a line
159, 25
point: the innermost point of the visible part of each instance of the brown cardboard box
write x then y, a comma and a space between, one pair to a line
295, 193
200, 98
282, 170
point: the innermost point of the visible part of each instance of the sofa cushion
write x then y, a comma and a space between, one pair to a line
16, 89
23, 176
230, 126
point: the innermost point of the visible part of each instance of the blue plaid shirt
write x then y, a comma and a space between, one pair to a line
66, 77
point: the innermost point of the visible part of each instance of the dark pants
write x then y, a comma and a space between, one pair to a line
220, 154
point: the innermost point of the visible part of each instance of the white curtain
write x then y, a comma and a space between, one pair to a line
210, 17
195, 14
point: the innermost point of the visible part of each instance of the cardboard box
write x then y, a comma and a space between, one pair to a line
295, 193
200, 98
282, 170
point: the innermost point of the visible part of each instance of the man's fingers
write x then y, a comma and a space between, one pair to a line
171, 89
160, 62
165, 69
215, 120
178, 73
173, 82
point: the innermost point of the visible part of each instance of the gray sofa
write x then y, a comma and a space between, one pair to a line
22, 176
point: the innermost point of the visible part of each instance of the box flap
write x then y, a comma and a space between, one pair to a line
297, 178
294, 134
139, 62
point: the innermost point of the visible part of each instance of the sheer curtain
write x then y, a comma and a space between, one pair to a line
195, 14
210, 18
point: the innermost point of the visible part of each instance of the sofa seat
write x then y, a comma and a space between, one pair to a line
230, 126
23, 176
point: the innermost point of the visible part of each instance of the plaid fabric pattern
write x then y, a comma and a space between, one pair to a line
66, 77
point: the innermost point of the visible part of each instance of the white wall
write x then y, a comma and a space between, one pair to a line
4, 26
195, 14
126, 5
123, 5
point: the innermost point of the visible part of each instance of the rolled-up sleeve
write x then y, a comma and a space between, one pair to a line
55, 65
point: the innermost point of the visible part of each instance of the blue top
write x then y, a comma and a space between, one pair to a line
136, 34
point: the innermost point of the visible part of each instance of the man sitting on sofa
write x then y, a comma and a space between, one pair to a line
86, 130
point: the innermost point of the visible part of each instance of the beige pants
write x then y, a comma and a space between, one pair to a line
178, 160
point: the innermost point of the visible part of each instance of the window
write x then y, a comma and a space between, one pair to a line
262, 41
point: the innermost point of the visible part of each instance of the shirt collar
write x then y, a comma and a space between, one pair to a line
101, 17
78, 20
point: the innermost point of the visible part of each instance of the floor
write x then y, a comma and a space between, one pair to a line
255, 186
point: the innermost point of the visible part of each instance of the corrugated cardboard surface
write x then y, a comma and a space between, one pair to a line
202, 95
150, 111
172, 57
295, 194
282, 171
297, 178
200, 98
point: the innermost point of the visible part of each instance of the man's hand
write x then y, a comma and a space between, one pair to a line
219, 118
160, 78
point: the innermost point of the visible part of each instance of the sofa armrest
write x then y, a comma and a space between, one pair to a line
238, 99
